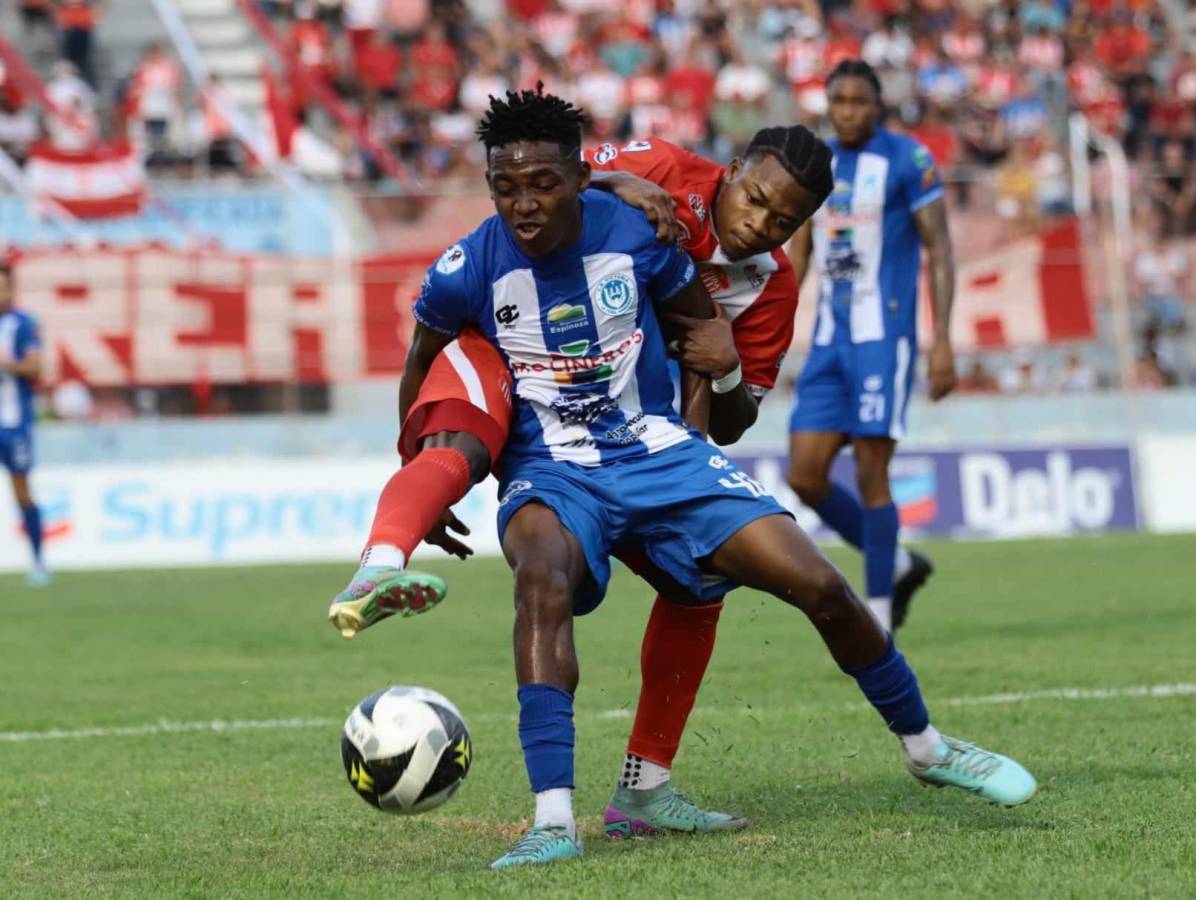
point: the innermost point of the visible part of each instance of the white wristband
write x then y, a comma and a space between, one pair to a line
728, 382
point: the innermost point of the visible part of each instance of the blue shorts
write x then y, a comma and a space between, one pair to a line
857, 389
679, 505
16, 450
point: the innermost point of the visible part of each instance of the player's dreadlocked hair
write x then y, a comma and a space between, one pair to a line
803, 155
533, 116
856, 68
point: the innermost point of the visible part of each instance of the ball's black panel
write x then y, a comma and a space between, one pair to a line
373, 778
456, 757
367, 705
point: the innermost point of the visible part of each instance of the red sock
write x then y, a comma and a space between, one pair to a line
677, 647
416, 495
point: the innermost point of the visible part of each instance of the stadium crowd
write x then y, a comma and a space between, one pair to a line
986, 85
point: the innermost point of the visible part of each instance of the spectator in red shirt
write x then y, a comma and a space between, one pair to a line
435, 64
693, 85
311, 43
76, 24
1122, 47
380, 64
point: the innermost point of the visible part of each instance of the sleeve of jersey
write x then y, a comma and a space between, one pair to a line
445, 303
764, 331
921, 177
654, 160
670, 269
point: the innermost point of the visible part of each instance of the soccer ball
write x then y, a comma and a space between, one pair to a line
406, 749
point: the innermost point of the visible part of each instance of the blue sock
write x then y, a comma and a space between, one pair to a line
546, 733
880, 548
842, 512
33, 529
891, 686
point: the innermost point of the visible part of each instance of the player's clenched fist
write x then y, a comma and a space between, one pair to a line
707, 346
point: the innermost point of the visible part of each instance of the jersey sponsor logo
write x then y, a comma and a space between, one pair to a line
515, 487
615, 294
754, 276
874, 383
575, 348
578, 369
629, 432
715, 279
566, 317
605, 154
842, 262
698, 205
637, 146
719, 462
451, 260
582, 409
507, 316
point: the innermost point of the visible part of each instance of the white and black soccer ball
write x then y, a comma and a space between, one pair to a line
406, 749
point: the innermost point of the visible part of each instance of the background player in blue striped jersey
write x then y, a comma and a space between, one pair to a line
564, 282
20, 367
866, 246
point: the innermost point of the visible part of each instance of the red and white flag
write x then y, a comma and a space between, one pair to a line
101, 182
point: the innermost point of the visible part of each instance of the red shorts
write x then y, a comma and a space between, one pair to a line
467, 389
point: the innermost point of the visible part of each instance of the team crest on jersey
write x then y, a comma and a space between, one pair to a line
451, 260
615, 294
698, 205
715, 280
754, 276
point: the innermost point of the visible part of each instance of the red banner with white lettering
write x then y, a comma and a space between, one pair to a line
159, 316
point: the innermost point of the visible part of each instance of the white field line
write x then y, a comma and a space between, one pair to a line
220, 726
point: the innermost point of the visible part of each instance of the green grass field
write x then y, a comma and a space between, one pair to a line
778, 735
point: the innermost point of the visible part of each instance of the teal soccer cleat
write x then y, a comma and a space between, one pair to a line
996, 778
378, 592
661, 810
541, 844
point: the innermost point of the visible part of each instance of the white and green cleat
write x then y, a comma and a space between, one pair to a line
541, 844
379, 592
996, 778
662, 810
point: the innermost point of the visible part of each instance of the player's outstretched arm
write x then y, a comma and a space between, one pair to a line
931, 222
426, 344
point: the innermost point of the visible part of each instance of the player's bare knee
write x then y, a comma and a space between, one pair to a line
828, 598
542, 591
810, 487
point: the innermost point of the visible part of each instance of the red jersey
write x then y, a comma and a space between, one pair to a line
759, 294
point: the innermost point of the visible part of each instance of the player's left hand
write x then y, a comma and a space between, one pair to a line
439, 536
941, 369
707, 346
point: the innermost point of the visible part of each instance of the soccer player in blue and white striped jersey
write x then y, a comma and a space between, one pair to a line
20, 367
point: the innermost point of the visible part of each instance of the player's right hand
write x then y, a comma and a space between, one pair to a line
657, 203
439, 535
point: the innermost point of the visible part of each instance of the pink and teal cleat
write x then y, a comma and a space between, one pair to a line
379, 592
662, 810
998, 779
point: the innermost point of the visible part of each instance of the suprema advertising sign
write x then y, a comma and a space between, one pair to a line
320, 510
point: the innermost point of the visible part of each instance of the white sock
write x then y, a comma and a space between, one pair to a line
386, 555
882, 608
555, 807
901, 563
641, 774
921, 747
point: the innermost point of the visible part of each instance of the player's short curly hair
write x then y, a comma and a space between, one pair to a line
532, 116
855, 68
801, 152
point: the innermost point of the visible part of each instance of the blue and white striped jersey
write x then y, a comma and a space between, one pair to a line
18, 336
866, 246
576, 328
